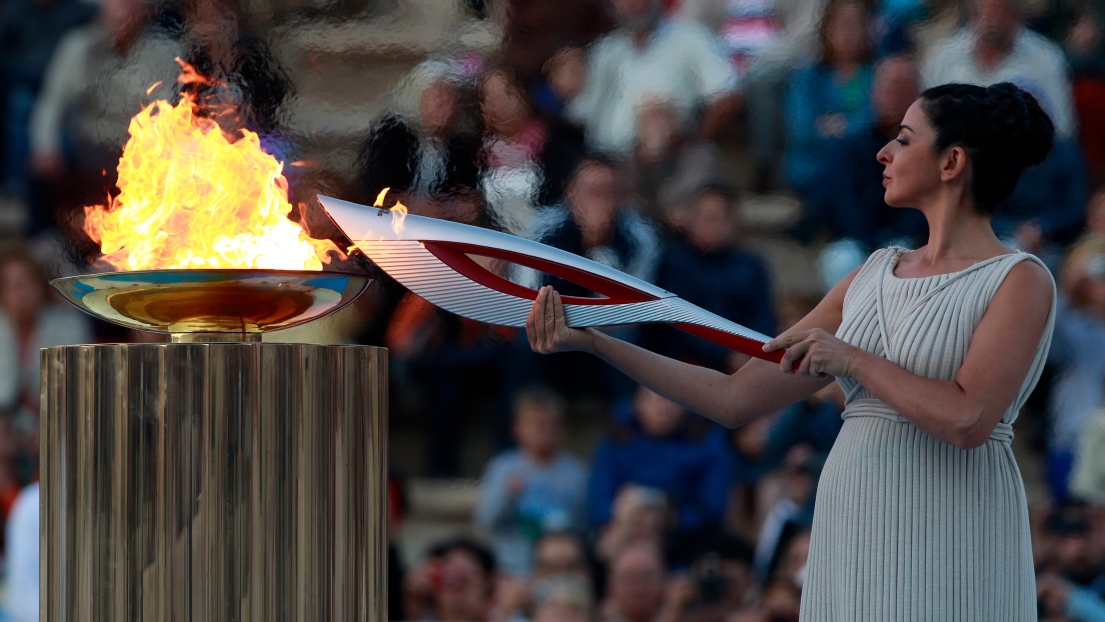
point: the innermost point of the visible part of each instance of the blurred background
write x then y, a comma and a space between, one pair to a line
723, 149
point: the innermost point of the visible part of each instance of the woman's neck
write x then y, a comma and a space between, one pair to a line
958, 230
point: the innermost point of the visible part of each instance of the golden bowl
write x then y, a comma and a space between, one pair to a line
232, 304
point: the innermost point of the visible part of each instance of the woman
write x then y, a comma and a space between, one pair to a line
921, 511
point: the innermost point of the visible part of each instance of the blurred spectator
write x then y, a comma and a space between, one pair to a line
536, 488
996, 47
28, 323
462, 360
791, 511
1078, 390
245, 85
30, 30
1069, 565
455, 583
648, 58
513, 144
98, 79
561, 580
596, 223
536, 29
827, 103
563, 599
693, 266
639, 513
669, 165
662, 447
22, 556
561, 81
855, 207
416, 155
637, 584
1085, 47
765, 40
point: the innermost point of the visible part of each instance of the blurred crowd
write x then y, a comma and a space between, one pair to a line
606, 128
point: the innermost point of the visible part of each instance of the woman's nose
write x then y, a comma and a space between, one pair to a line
883, 155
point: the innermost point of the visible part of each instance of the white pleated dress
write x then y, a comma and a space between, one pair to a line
908, 527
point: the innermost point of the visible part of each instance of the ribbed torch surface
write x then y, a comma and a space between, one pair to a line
213, 482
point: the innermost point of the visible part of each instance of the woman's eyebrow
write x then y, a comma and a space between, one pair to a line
906, 127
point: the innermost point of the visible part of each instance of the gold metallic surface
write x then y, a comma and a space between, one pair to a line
209, 300
214, 482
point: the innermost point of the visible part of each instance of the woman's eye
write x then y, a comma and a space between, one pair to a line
901, 141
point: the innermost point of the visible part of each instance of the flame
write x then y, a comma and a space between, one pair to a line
398, 211
193, 196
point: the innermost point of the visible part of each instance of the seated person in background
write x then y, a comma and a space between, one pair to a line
995, 46
29, 321
704, 267
594, 222
560, 564
535, 488
856, 209
1085, 48
1069, 560
637, 585
668, 164
828, 102
661, 447
640, 513
1078, 389
650, 56
456, 583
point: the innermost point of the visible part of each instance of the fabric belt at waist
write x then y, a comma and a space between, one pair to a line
1003, 432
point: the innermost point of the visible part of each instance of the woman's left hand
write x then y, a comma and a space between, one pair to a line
815, 354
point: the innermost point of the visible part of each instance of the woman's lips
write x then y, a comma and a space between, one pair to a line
885, 179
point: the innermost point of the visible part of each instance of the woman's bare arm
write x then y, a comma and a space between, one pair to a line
966, 410
963, 411
757, 388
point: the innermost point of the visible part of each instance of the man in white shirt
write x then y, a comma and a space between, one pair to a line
996, 47
650, 58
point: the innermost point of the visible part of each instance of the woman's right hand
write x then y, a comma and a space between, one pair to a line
547, 326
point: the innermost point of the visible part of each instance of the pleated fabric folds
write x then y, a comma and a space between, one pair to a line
907, 527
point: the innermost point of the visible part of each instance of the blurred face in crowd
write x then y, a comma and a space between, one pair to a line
503, 103
464, 588
637, 581
846, 33
658, 131
566, 72
592, 196
912, 167
711, 227
22, 291
539, 430
559, 555
438, 107
658, 415
996, 22
896, 86
638, 16
122, 19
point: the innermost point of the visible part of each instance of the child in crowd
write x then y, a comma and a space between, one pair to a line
534, 488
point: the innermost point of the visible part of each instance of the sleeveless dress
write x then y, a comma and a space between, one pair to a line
908, 527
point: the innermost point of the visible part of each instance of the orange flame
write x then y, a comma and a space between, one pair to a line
191, 196
398, 211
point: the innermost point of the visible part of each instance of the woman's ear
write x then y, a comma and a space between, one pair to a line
954, 164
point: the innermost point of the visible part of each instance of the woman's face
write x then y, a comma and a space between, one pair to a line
912, 168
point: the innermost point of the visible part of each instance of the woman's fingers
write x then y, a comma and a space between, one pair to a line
531, 329
793, 354
560, 320
539, 318
785, 341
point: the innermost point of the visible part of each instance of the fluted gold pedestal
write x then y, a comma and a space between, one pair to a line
214, 482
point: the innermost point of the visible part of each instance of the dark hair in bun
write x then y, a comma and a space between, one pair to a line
1002, 128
